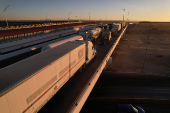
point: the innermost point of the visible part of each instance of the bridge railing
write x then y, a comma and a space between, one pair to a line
82, 97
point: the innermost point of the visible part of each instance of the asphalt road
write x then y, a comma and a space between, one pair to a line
132, 85
151, 92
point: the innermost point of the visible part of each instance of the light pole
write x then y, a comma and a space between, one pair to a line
46, 16
89, 16
123, 14
106, 17
84, 17
128, 17
76, 17
5, 14
146, 49
68, 16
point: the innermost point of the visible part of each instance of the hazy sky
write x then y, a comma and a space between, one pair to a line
148, 10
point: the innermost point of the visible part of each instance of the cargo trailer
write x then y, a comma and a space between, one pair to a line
52, 45
26, 86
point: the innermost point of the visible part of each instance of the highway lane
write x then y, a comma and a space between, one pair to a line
133, 85
151, 92
62, 100
92, 106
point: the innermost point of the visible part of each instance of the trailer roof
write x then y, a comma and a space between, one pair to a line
17, 72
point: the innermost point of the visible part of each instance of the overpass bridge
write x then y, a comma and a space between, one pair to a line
71, 97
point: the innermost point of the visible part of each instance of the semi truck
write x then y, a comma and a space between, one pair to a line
115, 28
26, 86
106, 35
94, 34
123, 24
114, 31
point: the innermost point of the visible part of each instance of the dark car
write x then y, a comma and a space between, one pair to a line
128, 108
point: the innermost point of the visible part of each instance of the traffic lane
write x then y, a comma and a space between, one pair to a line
63, 99
131, 85
94, 106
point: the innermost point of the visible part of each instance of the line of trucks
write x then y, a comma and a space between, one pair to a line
27, 85
110, 30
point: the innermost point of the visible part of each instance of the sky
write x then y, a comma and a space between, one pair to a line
139, 10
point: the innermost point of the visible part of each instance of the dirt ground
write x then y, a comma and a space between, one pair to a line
129, 54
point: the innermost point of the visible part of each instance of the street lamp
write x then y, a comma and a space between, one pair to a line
106, 17
68, 16
84, 17
123, 14
89, 16
128, 17
5, 14
46, 16
146, 49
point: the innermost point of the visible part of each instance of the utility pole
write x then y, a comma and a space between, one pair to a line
123, 14
68, 16
5, 15
84, 17
146, 49
46, 16
128, 17
89, 16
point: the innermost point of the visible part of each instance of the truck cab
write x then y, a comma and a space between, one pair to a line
91, 52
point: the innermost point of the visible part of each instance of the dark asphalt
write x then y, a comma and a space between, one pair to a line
151, 92
132, 86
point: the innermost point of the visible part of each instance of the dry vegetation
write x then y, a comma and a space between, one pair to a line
130, 53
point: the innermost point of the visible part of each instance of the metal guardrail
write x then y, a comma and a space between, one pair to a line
82, 97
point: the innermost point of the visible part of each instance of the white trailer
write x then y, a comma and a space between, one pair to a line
117, 26
49, 46
106, 35
27, 85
